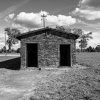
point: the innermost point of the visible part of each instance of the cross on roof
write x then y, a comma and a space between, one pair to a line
43, 18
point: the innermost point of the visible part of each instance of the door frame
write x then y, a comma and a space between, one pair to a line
26, 61
70, 55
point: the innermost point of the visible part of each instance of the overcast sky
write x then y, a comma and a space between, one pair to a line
26, 15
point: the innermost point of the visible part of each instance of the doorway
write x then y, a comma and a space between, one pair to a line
65, 56
32, 55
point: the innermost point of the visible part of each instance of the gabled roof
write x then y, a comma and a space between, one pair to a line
48, 31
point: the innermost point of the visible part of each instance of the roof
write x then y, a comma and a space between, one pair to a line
48, 30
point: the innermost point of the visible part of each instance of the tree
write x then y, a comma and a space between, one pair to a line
84, 40
4, 49
90, 49
97, 49
62, 28
11, 37
69, 30
18, 50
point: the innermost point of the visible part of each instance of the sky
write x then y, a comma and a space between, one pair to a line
26, 15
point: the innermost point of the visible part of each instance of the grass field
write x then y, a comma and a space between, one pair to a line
88, 59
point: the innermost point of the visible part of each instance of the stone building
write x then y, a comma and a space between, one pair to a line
47, 47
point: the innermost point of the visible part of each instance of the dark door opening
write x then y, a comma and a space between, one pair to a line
32, 55
65, 59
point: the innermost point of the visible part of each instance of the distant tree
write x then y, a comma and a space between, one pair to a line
83, 42
4, 49
0, 50
62, 28
18, 50
11, 37
77, 31
13, 50
74, 31
97, 49
77, 50
90, 49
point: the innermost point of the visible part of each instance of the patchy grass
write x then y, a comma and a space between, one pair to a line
54, 84
49, 84
68, 85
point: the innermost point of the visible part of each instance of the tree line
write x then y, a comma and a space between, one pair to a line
90, 49
4, 50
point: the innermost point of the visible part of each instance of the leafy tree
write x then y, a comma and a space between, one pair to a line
11, 32
84, 40
97, 49
1, 50
69, 30
62, 28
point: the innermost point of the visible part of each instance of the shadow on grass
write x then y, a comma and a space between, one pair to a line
13, 64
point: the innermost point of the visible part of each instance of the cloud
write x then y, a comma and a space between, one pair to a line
96, 39
9, 18
1, 45
21, 28
92, 42
60, 20
93, 26
16, 46
2, 36
12, 8
2, 39
30, 20
88, 9
33, 20
90, 3
87, 14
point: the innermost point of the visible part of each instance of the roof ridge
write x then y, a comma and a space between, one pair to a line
39, 31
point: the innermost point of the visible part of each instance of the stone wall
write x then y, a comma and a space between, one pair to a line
48, 49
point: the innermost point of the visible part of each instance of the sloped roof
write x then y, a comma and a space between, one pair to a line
48, 31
